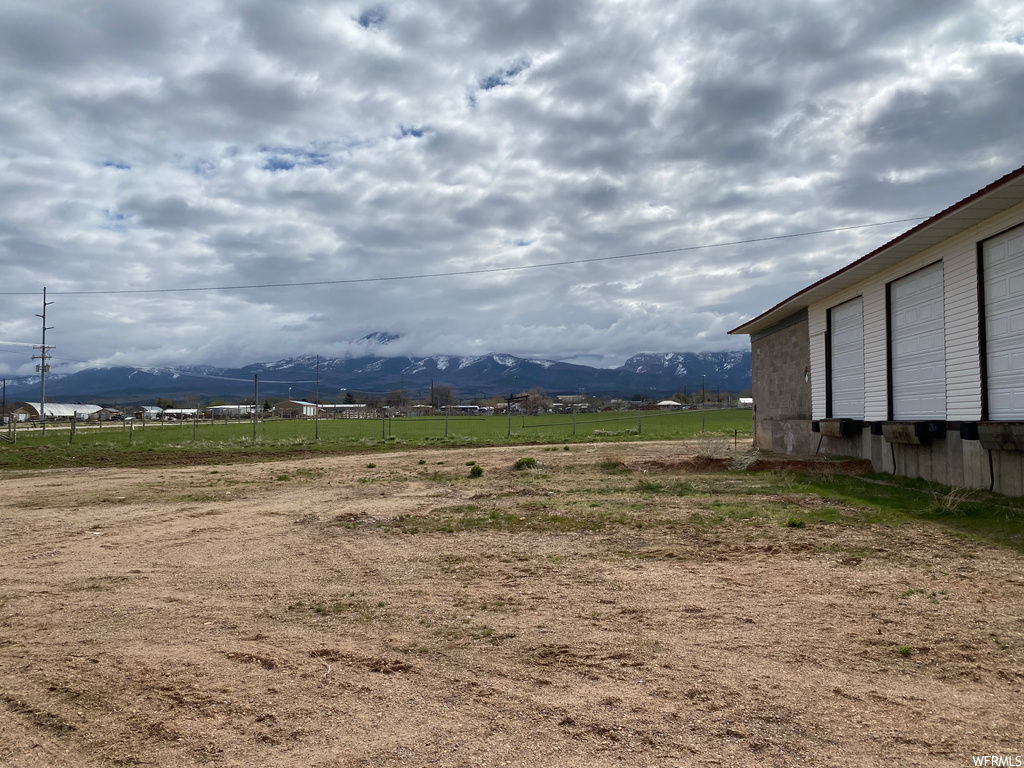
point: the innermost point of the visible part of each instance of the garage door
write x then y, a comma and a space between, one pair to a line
846, 328
1003, 266
918, 339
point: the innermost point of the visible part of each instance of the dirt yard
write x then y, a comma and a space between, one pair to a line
328, 613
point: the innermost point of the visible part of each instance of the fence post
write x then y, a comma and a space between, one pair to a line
71, 432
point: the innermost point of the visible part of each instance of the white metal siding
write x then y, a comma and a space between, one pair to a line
1004, 325
963, 365
918, 339
816, 325
847, 364
959, 255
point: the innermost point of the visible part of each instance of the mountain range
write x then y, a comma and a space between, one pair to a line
651, 375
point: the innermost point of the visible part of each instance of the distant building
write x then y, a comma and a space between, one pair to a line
295, 409
229, 411
180, 413
81, 411
347, 410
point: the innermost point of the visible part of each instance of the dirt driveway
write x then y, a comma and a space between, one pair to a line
326, 612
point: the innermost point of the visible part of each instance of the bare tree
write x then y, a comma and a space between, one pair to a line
537, 401
441, 394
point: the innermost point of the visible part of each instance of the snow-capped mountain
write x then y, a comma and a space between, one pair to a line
653, 375
728, 370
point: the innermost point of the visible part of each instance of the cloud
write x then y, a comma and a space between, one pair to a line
191, 145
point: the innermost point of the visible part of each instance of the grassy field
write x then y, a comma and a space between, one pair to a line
172, 443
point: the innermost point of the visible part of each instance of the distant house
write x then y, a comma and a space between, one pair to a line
912, 356
669, 405
147, 412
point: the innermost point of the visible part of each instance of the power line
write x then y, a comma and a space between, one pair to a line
458, 273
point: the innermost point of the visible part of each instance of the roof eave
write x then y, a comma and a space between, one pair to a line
1000, 195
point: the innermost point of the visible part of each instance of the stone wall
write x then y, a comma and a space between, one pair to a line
780, 358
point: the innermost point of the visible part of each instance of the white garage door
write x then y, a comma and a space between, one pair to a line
847, 364
1004, 325
917, 335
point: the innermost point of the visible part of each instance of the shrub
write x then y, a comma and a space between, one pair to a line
527, 462
476, 470
712, 447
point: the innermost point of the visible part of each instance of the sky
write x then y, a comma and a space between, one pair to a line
416, 165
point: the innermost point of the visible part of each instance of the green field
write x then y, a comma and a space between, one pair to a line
172, 443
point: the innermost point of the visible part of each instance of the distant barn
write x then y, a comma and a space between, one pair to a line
57, 411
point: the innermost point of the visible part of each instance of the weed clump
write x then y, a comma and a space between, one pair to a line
712, 447
527, 462
950, 502
476, 470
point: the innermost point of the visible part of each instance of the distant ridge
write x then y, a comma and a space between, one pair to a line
652, 375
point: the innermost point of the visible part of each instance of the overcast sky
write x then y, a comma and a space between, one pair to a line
207, 143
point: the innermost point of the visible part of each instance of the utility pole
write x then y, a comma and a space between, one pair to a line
703, 400
316, 405
255, 403
43, 367
4, 416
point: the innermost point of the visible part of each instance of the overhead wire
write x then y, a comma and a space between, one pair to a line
462, 272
